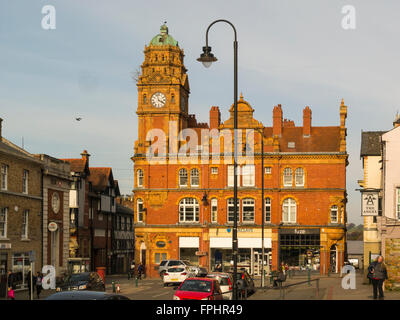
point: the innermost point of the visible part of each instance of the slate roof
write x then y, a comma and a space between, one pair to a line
371, 143
124, 210
99, 178
355, 247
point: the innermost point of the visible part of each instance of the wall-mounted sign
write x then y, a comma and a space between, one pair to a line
201, 253
369, 203
299, 231
52, 226
160, 244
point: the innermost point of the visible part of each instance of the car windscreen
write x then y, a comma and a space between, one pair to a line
174, 263
172, 270
196, 285
77, 278
163, 263
223, 281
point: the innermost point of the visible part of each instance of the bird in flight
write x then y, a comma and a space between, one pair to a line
78, 119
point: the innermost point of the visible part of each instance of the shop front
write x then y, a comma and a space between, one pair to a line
188, 246
249, 254
300, 249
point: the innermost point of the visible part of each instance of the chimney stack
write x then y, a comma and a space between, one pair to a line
85, 155
215, 117
307, 121
277, 120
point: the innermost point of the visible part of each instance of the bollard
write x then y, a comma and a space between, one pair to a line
113, 286
136, 281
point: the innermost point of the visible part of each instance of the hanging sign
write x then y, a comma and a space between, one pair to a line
369, 203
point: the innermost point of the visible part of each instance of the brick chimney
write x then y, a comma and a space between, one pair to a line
307, 121
215, 117
85, 155
1, 120
277, 120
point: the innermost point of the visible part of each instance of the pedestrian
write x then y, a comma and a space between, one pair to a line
39, 279
29, 283
11, 286
140, 271
131, 272
377, 272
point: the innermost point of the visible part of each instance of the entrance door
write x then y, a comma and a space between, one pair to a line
257, 263
333, 260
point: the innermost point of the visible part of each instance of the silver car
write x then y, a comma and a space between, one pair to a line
166, 264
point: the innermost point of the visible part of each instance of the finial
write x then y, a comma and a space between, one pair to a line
342, 103
241, 96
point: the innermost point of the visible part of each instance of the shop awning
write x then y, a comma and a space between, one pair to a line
242, 242
188, 242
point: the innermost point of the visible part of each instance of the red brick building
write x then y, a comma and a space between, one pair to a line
184, 209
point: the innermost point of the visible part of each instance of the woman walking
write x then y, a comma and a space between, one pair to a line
378, 274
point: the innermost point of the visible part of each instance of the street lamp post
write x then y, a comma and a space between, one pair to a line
262, 211
207, 58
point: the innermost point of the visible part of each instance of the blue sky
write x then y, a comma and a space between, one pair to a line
290, 52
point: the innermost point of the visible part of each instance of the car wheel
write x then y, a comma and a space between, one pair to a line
165, 284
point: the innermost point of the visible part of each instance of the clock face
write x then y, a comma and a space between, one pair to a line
158, 100
55, 202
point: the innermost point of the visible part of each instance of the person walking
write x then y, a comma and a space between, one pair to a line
11, 286
131, 272
140, 271
39, 279
29, 283
377, 272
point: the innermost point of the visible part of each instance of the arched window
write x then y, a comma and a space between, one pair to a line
334, 214
267, 210
299, 177
144, 99
183, 178
140, 177
289, 210
231, 210
287, 177
172, 98
189, 210
214, 210
194, 178
139, 206
248, 210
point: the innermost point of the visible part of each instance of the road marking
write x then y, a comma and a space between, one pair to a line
161, 294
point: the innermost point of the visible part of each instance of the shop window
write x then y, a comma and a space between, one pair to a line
140, 177
4, 176
248, 176
139, 210
248, 210
157, 258
299, 177
289, 211
194, 178
25, 225
183, 178
231, 210
267, 210
3, 222
287, 177
334, 214
189, 210
214, 210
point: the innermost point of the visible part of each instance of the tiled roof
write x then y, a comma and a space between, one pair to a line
99, 178
322, 139
77, 165
371, 143
123, 209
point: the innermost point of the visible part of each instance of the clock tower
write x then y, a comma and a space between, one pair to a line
163, 88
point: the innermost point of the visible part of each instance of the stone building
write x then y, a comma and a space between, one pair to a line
20, 210
56, 216
184, 206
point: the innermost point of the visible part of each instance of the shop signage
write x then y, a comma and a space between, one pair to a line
52, 226
244, 230
369, 203
160, 244
299, 231
201, 253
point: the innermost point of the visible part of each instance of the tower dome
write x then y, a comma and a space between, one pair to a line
163, 38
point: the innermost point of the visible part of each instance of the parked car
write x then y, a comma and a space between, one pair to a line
225, 282
166, 264
245, 283
82, 281
176, 275
85, 295
199, 289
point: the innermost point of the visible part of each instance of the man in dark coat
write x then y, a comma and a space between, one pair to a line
378, 274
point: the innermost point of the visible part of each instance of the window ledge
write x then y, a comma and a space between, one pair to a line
4, 239
25, 240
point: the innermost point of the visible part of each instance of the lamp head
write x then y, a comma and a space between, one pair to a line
207, 58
